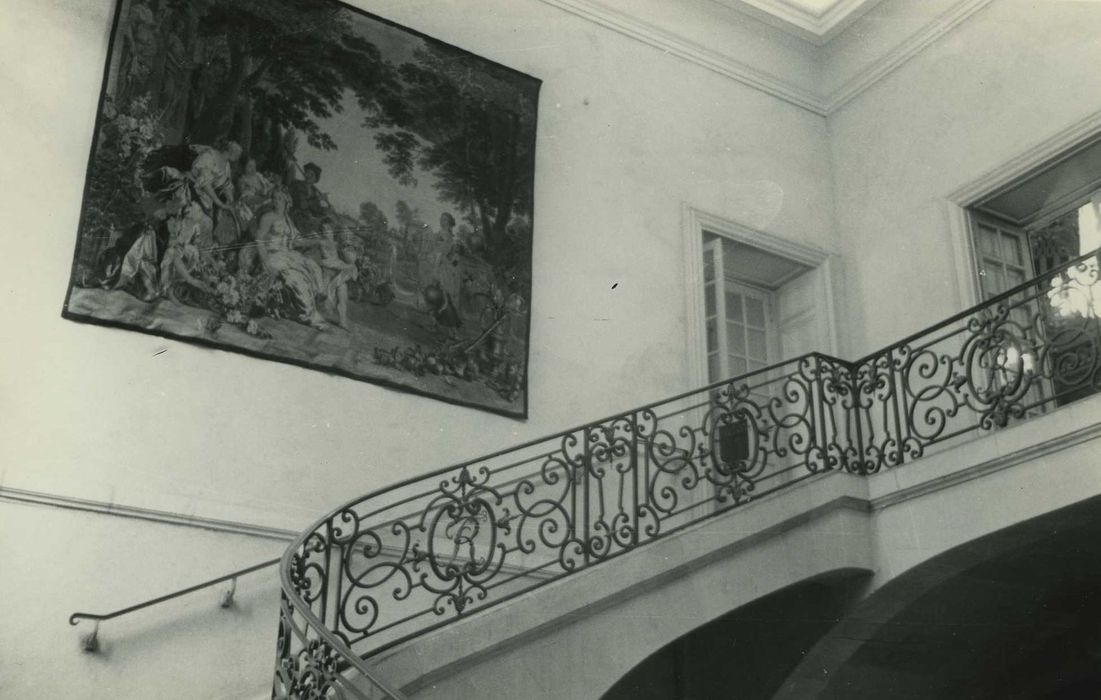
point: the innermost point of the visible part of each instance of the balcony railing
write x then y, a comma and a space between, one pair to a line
411, 558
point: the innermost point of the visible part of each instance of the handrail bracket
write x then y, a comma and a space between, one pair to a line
89, 643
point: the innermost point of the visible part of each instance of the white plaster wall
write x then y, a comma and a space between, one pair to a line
714, 27
56, 562
888, 26
626, 135
1013, 75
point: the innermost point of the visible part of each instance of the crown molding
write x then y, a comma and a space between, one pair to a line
676, 45
816, 28
896, 57
837, 19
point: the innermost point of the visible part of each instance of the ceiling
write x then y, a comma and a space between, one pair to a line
817, 21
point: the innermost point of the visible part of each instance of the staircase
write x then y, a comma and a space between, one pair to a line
407, 561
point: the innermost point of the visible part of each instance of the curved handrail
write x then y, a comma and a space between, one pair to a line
414, 556
347, 657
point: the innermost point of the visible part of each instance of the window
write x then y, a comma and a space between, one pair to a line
1031, 227
1040, 222
738, 318
1003, 256
759, 308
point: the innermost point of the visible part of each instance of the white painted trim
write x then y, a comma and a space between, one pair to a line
829, 282
962, 244
956, 203
1022, 164
682, 47
696, 348
13, 495
816, 28
728, 228
694, 222
896, 57
820, 104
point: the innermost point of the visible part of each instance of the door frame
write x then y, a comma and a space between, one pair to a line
957, 203
696, 222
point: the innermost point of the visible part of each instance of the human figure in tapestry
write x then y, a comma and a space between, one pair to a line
263, 177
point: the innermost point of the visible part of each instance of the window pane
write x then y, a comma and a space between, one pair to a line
997, 277
738, 366
758, 350
734, 307
1011, 249
709, 300
708, 265
712, 336
988, 241
735, 338
713, 368
755, 312
992, 277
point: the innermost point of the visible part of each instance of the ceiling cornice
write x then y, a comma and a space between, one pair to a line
817, 28
896, 57
677, 45
817, 103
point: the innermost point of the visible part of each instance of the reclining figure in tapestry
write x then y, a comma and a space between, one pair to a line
261, 179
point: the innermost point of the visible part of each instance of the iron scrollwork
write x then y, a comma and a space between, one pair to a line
400, 562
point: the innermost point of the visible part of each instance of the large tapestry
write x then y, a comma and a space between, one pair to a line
304, 182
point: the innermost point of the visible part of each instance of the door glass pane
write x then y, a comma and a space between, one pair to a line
997, 277
1011, 248
1014, 277
989, 284
714, 372
738, 366
735, 337
708, 265
709, 300
734, 307
988, 241
755, 312
758, 350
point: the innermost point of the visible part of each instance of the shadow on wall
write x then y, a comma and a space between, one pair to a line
749, 651
1009, 616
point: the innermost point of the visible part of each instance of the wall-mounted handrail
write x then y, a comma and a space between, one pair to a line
415, 556
89, 642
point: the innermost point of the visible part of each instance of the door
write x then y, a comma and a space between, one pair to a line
1003, 257
739, 321
1005, 262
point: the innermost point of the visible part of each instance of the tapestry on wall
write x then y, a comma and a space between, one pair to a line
301, 181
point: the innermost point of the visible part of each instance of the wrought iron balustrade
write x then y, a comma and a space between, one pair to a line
411, 558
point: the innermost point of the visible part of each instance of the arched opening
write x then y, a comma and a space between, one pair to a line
748, 652
1019, 619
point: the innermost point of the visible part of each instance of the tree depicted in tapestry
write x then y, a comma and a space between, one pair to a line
301, 181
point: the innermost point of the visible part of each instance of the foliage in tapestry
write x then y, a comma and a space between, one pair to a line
313, 184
